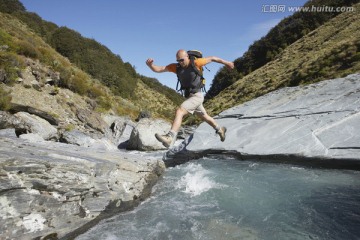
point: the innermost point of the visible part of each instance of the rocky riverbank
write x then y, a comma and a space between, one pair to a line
63, 165
57, 183
57, 190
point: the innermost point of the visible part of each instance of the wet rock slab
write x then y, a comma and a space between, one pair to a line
59, 190
313, 123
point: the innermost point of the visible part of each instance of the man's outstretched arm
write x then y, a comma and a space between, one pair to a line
153, 67
229, 65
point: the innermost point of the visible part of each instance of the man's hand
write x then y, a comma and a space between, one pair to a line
150, 62
230, 65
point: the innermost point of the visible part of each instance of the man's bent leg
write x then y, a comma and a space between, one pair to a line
211, 121
169, 139
205, 117
180, 113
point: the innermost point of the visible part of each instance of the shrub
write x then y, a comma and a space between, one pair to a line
5, 38
65, 76
79, 83
95, 91
47, 56
11, 64
27, 49
5, 99
69, 127
104, 103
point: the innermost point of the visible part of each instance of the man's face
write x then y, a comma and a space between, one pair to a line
183, 59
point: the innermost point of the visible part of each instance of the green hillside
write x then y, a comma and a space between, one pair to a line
81, 62
92, 57
20, 47
279, 38
330, 51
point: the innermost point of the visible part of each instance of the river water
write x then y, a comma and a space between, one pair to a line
213, 198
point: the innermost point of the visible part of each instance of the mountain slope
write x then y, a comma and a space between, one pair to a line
92, 57
21, 45
330, 51
282, 35
26, 58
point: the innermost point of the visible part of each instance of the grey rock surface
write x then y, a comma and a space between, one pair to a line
8, 120
23, 108
37, 125
50, 189
119, 130
143, 135
78, 138
319, 121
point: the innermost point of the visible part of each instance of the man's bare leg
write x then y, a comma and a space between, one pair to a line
211, 121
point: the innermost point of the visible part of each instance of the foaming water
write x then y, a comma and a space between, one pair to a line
196, 181
229, 199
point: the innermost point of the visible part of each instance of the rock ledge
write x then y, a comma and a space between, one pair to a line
315, 124
56, 190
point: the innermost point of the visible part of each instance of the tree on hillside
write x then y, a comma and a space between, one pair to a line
95, 59
36, 23
11, 6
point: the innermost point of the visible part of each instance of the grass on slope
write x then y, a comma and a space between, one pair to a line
158, 104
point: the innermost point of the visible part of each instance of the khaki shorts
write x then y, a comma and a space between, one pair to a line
194, 103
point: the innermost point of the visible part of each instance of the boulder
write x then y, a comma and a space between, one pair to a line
7, 120
35, 124
125, 137
143, 114
28, 77
8, 132
32, 137
317, 124
91, 119
79, 138
119, 128
143, 135
36, 85
40, 113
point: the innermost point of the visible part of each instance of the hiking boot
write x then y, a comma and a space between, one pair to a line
221, 133
167, 140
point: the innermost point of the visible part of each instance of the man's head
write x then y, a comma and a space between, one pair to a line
182, 58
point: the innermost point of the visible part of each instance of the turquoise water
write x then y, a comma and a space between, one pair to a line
214, 198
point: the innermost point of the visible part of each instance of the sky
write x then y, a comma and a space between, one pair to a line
140, 29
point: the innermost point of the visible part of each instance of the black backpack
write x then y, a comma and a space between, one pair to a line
193, 54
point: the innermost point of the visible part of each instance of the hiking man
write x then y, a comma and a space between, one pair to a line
189, 78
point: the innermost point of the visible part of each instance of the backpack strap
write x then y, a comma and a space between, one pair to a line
198, 72
179, 82
192, 61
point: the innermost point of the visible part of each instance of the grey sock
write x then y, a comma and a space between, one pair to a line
172, 133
